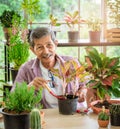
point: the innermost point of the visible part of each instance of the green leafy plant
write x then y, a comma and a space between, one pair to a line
7, 17
53, 20
114, 12
31, 8
103, 115
104, 72
94, 23
72, 19
18, 48
22, 99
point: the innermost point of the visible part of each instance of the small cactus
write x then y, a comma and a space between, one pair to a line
35, 119
115, 109
103, 115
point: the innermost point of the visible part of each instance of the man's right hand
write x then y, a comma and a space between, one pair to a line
38, 82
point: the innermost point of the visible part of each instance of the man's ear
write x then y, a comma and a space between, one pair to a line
56, 42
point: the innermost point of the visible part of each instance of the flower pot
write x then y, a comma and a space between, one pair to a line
13, 74
99, 109
16, 121
73, 36
42, 115
68, 106
103, 123
115, 119
94, 36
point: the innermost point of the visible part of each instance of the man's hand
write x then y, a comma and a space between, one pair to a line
81, 93
38, 82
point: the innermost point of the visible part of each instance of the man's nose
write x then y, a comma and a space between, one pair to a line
45, 50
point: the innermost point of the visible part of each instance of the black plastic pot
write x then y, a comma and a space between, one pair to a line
13, 74
16, 121
115, 120
68, 106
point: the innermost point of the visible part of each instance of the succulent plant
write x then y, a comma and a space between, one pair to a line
103, 115
35, 119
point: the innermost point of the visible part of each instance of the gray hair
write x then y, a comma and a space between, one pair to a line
39, 32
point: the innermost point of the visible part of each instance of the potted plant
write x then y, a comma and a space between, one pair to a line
113, 16
73, 19
94, 25
115, 114
103, 118
104, 78
69, 72
18, 105
53, 23
18, 49
6, 21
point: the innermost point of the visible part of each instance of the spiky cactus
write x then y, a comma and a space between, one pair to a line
35, 119
115, 109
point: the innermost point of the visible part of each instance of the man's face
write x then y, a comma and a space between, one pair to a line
44, 49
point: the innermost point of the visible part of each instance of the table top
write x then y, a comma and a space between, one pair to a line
54, 120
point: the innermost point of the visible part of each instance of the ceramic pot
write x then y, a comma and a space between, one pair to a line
94, 36
73, 36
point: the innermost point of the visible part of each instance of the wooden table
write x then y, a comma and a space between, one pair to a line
54, 120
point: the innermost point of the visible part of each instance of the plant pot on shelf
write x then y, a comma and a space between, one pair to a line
94, 36
13, 74
68, 106
73, 36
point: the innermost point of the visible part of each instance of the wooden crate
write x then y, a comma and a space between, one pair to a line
113, 35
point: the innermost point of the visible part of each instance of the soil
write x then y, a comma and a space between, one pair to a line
14, 112
104, 103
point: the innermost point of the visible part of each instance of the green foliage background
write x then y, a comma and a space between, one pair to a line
58, 8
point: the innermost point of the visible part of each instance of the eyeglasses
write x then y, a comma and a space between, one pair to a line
52, 79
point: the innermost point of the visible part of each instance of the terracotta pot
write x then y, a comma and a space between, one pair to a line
98, 110
103, 123
73, 36
42, 114
94, 36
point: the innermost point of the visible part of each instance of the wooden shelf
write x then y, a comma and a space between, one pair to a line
65, 43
